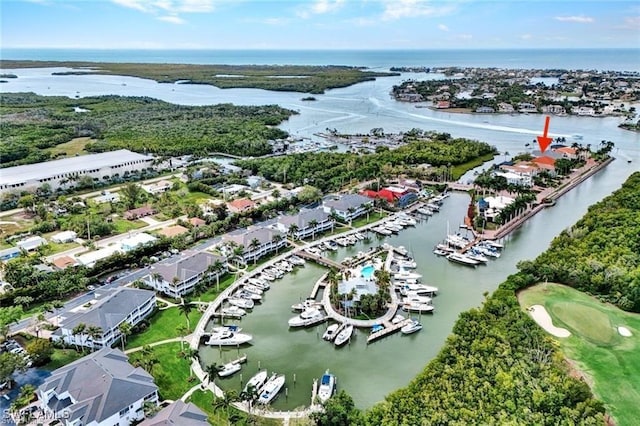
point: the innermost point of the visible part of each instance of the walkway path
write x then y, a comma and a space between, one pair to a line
186, 339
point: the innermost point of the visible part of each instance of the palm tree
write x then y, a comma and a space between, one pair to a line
94, 332
255, 243
368, 208
351, 211
216, 267
313, 224
211, 372
293, 230
78, 330
182, 331
276, 241
125, 329
186, 308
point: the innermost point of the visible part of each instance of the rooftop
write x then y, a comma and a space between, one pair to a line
188, 265
19, 174
178, 413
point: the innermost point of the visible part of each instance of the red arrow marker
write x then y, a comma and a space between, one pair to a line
543, 140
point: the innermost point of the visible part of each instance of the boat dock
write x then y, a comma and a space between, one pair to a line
320, 260
321, 283
389, 328
240, 360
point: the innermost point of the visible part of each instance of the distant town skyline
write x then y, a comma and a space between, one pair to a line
318, 24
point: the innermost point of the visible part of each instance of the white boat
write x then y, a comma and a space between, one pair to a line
433, 207
406, 275
417, 300
425, 211
419, 289
408, 264
284, 266
407, 219
243, 294
261, 284
327, 386
397, 319
297, 260
271, 389
577, 136
252, 289
257, 381
393, 227
359, 236
401, 250
232, 367
227, 336
307, 317
381, 230
307, 304
445, 248
241, 303
493, 244
331, 332
233, 311
267, 276
476, 255
462, 259
412, 327
421, 308
439, 252
344, 335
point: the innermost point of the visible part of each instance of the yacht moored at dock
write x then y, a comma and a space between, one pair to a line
327, 386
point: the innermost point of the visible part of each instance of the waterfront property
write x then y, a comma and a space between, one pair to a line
95, 324
348, 207
58, 173
178, 413
255, 241
400, 196
177, 277
100, 389
308, 223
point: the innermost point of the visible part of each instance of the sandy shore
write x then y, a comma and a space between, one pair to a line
541, 316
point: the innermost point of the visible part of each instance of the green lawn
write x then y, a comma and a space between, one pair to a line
211, 293
171, 372
196, 197
373, 217
203, 400
611, 362
62, 357
123, 225
163, 325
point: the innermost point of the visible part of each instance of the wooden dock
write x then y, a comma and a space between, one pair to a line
389, 328
321, 283
321, 260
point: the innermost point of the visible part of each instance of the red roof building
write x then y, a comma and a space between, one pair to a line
241, 205
545, 162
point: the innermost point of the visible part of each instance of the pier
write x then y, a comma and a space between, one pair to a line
321, 283
320, 260
389, 328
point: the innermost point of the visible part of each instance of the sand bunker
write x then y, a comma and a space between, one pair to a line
624, 331
541, 316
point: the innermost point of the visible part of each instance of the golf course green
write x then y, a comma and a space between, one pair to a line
609, 361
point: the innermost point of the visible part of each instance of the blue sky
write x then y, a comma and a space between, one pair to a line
319, 24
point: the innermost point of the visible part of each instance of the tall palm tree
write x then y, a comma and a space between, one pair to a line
216, 268
253, 245
351, 211
293, 230
182, 331
78, 330
276, 241
211, 372
125, 329
185, 309
94, 332
313, 224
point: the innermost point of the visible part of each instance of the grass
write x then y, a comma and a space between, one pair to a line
171, 373
123, 225
163, 325
203, 399
62, 357
463, 168
610, 361
362, 221
196, 197
70, 149
211, 293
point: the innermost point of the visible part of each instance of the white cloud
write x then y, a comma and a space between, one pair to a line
320, 7
140, 5
632, 23
443, 27
173, 19
397, 9
581, 19
526, 36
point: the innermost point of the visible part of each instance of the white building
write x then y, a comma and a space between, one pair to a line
266, 241
308, 223
63, 172
100, 389
177, 277
31, 243
348, 207
107, 311
135, 241
158, 187
64, 237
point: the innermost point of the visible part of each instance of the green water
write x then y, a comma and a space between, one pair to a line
369, 372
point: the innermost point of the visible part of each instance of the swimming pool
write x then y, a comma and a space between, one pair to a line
367, 271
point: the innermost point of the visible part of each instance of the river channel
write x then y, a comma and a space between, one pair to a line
370, 372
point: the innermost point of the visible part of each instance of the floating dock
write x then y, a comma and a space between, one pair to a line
389, 328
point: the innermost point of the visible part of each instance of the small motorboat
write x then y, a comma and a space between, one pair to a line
227, 335
257, 381
307, 317
412, 327
331, 332
233, 311
241, 303
253, 289
271, 389
232, 367
244, 294
418, 307
344, 335
327, 386
302, 306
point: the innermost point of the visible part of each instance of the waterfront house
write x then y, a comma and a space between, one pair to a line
256, 241
566, 152
110, 308
99, 389
177, 276
443, 105
398, 195
554, 109
178, 413
490, 207
348, 207
308, 223
505, 107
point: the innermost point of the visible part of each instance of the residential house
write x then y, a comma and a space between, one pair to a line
398, 195
547, 163
63, 262
9, 253
196, 222
100, 389
110, 308
490, 207
178, 413
554, 109
505, 107
139, 212
107, 197
308, 223
158, 187
173, 231
134, 241
584, 111
255, 181
443, 105
241, 205
348, 207
526, 107
520, 173
64, 237
257, 241
31, 243
566, 152
176, 277
485, 110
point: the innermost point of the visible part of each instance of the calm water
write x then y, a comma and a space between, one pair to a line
370, 372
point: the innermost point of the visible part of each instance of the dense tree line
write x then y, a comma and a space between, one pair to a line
600, 254
330, 171
30, 124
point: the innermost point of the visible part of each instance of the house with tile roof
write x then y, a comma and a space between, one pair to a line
241, 205
100, 389
110, 308
176, 277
